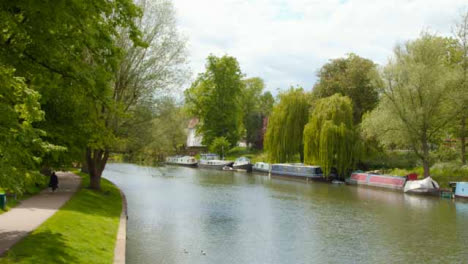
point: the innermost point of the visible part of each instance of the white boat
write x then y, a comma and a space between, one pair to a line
182, 161
243, 164
212, 161
261, 167
424, 186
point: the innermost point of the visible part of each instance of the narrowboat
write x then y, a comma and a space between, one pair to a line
424, 186
261, 167
460, 189
297, 170
377, 180
182, 161
212, 161
243, 164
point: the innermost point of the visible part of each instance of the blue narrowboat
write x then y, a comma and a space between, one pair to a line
461, 189
297, 170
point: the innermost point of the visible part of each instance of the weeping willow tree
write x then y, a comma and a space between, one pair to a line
283, 138
330, 139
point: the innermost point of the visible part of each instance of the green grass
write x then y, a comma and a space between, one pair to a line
236, 152
442, 173
84, 230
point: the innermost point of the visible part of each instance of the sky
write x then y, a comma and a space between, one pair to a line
285, 42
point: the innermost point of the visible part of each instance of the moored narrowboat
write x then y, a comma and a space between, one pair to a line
261, 167
297, 170
242, 164
376, 180
460, 189
182, 161
212, 161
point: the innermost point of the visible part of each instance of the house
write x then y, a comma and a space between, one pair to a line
194, 141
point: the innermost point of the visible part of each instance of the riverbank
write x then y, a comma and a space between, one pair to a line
84, 230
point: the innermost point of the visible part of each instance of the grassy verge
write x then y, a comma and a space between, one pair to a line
253, 154
442, 173
84, 230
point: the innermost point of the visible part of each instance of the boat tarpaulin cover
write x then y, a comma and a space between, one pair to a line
421, 185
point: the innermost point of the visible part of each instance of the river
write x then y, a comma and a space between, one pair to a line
176, 212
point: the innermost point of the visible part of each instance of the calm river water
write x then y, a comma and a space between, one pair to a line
249, 218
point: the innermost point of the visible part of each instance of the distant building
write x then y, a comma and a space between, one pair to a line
194, 141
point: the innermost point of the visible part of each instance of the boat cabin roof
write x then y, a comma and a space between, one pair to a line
209, 156
243, 159
295, 165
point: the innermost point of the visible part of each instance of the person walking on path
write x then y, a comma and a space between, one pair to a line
32, 212
53, 183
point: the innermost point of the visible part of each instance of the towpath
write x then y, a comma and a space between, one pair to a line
31, 213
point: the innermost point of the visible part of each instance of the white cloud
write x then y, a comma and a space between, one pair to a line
285, 42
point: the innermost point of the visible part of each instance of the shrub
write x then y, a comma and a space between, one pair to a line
220, 145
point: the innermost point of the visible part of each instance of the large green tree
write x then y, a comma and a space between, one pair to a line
66, 52
460, 98
21, 145
283, 138
330, 139
412, 111
353, 76
256, 105
144, 73
215, 98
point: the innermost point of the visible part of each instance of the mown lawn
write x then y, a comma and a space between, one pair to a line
84, 230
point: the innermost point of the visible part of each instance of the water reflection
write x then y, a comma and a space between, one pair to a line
247, 218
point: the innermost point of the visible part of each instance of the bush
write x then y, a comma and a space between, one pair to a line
220, 145
389, 160
446, 153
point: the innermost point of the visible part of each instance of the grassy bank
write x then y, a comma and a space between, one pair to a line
442, 173
84, 230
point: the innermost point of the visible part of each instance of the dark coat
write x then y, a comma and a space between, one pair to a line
53, 183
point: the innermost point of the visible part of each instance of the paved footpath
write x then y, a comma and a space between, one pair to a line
31, 213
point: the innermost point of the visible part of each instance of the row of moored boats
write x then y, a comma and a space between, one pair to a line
407, 184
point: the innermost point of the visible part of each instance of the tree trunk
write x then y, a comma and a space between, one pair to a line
426, 168
425, 158
96, 160
463, 140
84, 164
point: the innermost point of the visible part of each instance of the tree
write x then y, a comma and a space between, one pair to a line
354, 77
460, 100
330, 139
157, 66
21, 145
214, 98
66, 52
219, 146
412, 109
283, 138
255, 107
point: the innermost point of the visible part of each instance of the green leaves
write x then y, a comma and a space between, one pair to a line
412, 112
215, 98
283, 138
220, 146
354, 77
21, 145
330, 139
